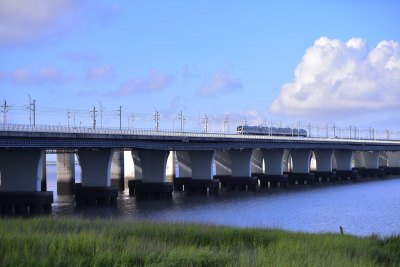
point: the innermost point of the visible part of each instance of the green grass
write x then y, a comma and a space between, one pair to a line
48, 241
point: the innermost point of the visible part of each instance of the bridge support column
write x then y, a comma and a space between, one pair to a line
359, 163
223, 166
21, 182
44, 174
202, 173
153, 165
241, 170
274, 165
286, 161
393, 159
129, 168
95, 187
170, 169
137, 173
334, 164
383, 162
185, 170
371, 161
323, 171
117, 177
65, 173
343, 164
301, 167
257, 163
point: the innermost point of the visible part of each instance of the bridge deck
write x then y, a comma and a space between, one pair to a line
53, 137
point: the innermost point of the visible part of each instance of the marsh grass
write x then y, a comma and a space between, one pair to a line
48, 241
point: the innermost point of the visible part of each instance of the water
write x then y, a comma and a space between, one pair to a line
361, 208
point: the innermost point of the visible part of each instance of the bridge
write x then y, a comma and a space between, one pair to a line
206, 162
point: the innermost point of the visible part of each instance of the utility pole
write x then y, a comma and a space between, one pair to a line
350, 131
74, 117
34, 112
5, 110
355, 132
68, 116
156, 118
120, 117
94, 116
205, 123
298, 130
182, 121
30, 109
101, 114
227, 124
133, 118
309, 129
327, 130
334, 130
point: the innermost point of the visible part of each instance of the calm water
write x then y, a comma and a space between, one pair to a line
361, 208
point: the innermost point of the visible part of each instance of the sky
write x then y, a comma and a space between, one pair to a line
318, 62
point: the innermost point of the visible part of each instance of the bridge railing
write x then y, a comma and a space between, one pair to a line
164, 132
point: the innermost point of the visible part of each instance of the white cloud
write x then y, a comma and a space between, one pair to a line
336, 78
155, 81
24, 20
102, 72
220, 82
30, 76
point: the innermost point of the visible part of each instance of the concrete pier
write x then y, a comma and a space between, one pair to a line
301, 167
274, 166
170, 169
44, 174
21, 182
393, 159
117, 175
185, 170
371, 161
202, 169
323, 158
137, 172
257, 163
95, 188
223, 166
383, 161
153, 168
65, 173
367, 164
343, 159
286, 161
129, 167
241, 160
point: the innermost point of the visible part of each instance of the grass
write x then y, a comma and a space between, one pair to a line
47, 241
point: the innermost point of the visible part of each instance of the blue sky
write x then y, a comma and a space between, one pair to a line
213, 58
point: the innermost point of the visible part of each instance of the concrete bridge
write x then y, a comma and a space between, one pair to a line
206, 162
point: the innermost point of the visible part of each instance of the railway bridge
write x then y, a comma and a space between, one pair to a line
206, 162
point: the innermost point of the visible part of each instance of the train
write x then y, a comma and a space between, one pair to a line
263, 130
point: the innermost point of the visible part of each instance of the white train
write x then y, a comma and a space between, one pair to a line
262, 130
